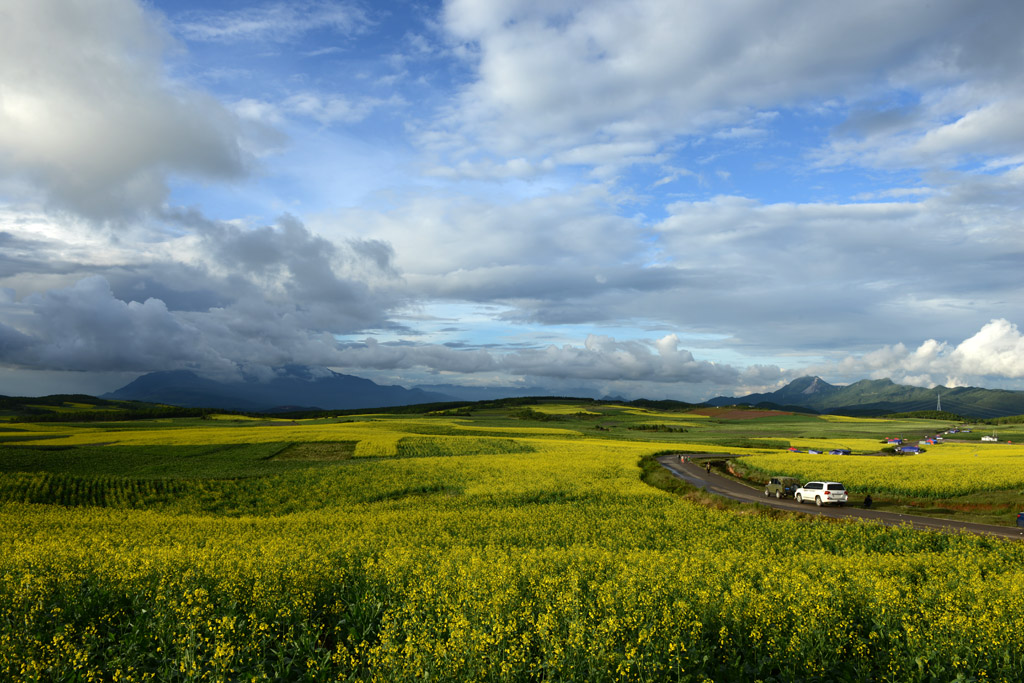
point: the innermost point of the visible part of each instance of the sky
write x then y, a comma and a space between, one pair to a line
639, 198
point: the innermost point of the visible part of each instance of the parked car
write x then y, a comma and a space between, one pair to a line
822, 493
781, 487
1020, 519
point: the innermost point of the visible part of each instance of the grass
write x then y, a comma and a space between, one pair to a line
318, 451
998, 507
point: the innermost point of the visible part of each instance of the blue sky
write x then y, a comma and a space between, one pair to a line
646, 198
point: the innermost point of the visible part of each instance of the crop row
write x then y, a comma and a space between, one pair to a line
69, 490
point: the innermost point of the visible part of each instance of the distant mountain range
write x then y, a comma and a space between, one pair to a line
883, 396
297, 388
294, 388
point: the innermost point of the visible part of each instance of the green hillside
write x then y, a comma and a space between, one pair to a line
883, 396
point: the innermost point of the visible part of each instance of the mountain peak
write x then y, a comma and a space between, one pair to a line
817, 385
806, 387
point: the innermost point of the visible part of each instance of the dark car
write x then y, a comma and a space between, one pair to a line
781, 487
1020, 519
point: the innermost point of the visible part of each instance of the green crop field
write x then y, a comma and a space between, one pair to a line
496, 544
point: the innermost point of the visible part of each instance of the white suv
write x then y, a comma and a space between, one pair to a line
822, 493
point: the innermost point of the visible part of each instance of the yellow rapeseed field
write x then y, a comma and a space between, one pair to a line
472, 553
943, 470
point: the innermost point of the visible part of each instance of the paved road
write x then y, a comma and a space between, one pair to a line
730, 488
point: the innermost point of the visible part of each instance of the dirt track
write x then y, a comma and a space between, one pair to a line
729, 488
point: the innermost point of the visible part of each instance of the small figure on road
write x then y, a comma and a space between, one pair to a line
707, 468
867, 501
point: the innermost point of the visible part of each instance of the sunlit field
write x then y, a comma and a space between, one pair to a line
481, 548
942, 470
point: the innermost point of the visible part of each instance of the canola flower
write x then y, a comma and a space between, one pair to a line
475, 557
943, 470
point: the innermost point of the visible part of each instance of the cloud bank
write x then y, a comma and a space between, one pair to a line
648, 198
995, 352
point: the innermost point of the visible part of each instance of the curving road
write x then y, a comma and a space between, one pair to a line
730, 488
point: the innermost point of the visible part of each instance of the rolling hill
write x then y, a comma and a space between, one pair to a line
883, 396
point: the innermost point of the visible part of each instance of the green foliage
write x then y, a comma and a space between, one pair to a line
662, 405
929, 415
429, 447
658, 428
318, 451
752, 443
539, 416
653, 474
1008, 420
82, 408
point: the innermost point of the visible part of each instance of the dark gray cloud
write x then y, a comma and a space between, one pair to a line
86, 328
240, 297
599, 358
19, 254
182, 287
13, 344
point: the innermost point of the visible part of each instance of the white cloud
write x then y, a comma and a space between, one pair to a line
88, 116
556, 76
518, 167
275, 22
984, 126
458, 246
997, 350
739, 132
994, 354
840, 275
895, 193
332, 109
